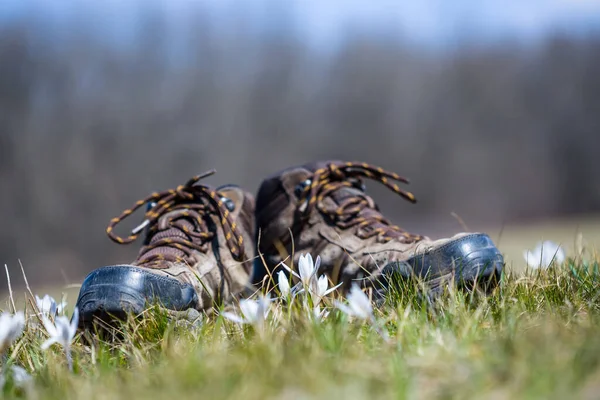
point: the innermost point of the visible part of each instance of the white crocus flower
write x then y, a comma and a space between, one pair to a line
253, 312
319, 314
62, 332
308, 269
48, 306
358, 306
20, 377
307, 273
319, 288
11, 327
283, 284
544, 254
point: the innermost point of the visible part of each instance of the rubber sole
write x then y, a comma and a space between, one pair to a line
111, 293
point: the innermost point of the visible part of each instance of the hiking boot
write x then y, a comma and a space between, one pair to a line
197, 252
322, 208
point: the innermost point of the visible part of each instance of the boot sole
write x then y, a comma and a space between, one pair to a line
468, 262
110, 294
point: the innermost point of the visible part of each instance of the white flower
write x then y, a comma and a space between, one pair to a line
11, 327
544, 254
319, 288
48, 306
253, 312
308, 269
307, 273
319, 314
283, 284
61, 331
20, 377
358, 306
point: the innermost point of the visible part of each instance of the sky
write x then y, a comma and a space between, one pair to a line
323, 22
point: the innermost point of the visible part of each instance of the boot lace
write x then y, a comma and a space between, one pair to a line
194, 202
355, 210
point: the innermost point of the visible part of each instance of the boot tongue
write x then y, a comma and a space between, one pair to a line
344, 193
168, 233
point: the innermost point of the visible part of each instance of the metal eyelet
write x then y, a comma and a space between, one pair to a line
360, 185
150, 205
299, 189
228, 203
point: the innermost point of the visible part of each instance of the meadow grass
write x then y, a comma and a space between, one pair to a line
535, 336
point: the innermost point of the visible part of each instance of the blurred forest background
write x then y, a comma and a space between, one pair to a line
496, 133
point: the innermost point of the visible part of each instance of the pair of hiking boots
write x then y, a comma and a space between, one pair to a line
202, 244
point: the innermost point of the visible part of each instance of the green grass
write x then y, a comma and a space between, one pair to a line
536, 336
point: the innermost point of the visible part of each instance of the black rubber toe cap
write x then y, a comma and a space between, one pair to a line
112, 292
472, 258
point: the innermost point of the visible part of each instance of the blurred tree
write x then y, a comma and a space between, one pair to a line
88, 126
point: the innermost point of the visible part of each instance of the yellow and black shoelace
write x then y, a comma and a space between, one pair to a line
190, 199
338, 175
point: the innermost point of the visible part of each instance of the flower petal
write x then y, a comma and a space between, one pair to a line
320, 314
264, 307
305, 268
73, 325
39, 302
46, 304
552, 252
332, 289
49, 326
17, 324
533, 260
63, 329
49, 342
283, 283
317, 264
560, 256
313, 287
344, 308
233, 317
360, 303
249, 309
322, 285
288, 269
19, 375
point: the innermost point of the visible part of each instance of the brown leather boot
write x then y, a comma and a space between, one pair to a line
322, 208
197, 252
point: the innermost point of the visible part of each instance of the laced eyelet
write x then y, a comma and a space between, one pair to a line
192, 202
299, 189
360, 185
150, 205
338, 175
228, 203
